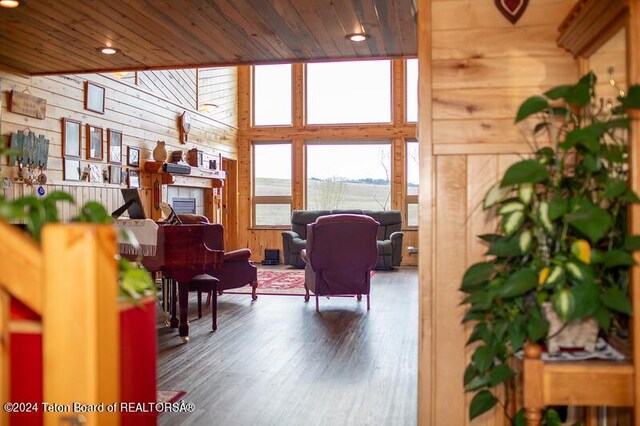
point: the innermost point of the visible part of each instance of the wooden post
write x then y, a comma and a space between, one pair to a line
532, 384
80, 321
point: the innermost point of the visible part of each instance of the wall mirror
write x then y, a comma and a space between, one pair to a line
94, 142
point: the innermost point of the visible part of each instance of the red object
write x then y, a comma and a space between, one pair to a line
138, 354
512, 9
138, 362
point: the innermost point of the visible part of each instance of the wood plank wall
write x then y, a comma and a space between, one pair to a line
178, 86
397, 132
475, 70
142, 116
217, 86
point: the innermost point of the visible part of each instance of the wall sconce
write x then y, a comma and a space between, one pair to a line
207, 107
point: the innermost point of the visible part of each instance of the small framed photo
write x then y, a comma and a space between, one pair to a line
115, 175
71, 169
71, 136
133, 157
94, 97
94, 142
134, 179
114, 146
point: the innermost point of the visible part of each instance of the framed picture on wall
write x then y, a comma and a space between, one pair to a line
71, 169
134, 179
71, 137
94, 142
114, 146
115, 175
94, 97
133, 156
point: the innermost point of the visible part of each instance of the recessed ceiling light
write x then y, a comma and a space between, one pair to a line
107, 50
9, 4
358, 37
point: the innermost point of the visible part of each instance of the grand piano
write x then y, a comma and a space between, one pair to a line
181, 253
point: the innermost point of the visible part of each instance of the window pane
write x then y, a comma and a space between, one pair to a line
412, 90
272, 169
273, 214
413, 168
349, 92
272, 95
349, 176
412, 214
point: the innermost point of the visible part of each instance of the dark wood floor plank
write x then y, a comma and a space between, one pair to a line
278, 362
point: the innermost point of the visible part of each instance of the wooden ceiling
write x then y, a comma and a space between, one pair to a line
64, 36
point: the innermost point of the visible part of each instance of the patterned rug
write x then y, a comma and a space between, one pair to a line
281, 282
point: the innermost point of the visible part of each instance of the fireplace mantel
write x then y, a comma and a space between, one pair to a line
155, 183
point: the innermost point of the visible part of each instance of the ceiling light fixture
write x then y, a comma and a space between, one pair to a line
107, 50
9, 4
358, 37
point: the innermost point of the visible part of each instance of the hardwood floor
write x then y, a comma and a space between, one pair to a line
278, 362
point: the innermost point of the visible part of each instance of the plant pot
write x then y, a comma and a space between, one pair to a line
580, 334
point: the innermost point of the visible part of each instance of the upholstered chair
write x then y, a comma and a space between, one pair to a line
340, 254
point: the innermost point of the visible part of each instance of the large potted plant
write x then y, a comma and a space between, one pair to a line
562, 244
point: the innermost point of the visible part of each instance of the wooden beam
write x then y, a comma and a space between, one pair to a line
80, 321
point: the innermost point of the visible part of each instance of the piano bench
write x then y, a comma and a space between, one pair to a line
206, 283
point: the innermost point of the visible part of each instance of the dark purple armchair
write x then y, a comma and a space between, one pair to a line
340, 253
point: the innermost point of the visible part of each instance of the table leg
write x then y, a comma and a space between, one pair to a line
183, 300
173, 295
214, 308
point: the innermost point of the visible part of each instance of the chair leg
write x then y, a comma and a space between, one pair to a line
317, 303
368, 302
254, 287
359, 297
306, 295
214, 309
208, 298
199, 304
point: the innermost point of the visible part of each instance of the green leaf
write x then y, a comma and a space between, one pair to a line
563, 304
482, 402
500, 374
584, 137
93, 212
512, 222
587, 300
615, 189
517, 334
519, 283
490, 237
477, 275
537, 329
469, 373
557, 208
616, 299
632, 243
614, 258
483, 358
520, 419
505, 247
524, 241
551, 418
592, 162
632, 100
60, 196
558, 92
526, 171
591, 221
495, 195
478, 382
580, 93
500, 329
531, 106
472, 316
480, 332
603, 316
510, 207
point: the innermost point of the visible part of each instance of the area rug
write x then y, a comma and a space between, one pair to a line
169, 396
281, 282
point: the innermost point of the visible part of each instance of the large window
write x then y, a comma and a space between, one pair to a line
412, 90
413, 179
349, 92
271, 183
348, 175
272, 95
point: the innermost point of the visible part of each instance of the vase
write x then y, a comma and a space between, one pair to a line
582, 334
160, 152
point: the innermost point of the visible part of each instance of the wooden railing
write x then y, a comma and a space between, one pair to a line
71, 282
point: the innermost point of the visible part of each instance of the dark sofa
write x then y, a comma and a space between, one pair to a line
389, 235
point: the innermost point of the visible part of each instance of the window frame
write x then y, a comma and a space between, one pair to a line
269, 199
334, 142
305, 103
410, 199
253, 99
